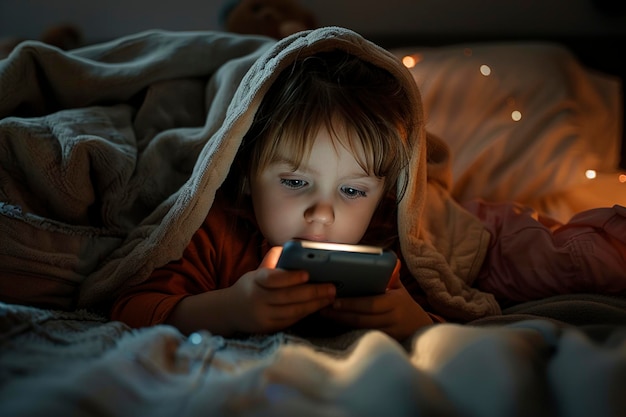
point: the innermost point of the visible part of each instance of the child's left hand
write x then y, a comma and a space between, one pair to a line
395, 312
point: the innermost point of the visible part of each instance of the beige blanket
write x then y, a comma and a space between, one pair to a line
111, 155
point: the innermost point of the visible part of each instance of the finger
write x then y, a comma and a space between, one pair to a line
394, 281
270, 278
362, 305
302, 294
297, 311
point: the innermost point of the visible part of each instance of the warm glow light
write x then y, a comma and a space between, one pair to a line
622, 178
485, 70
410, 61
590, 173
516, 115
340, 247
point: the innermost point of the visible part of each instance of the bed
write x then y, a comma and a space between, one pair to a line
80, 213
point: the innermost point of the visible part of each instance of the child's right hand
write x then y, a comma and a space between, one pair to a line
270, 299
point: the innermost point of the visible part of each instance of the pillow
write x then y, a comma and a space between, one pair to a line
524, 120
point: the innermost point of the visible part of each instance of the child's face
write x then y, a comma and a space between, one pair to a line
329, 197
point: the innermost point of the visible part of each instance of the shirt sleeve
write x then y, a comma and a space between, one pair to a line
152, 301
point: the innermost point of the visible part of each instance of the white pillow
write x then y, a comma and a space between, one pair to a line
570, 119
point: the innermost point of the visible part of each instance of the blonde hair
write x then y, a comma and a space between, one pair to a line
344, 94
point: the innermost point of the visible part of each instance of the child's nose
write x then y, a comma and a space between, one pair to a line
321, 212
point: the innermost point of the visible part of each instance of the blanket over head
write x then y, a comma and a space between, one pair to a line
110, 157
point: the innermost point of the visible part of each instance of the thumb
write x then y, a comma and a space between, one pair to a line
271, 257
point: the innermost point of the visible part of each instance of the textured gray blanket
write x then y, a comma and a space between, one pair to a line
531, 363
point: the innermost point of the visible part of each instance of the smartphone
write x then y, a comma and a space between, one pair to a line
356, 270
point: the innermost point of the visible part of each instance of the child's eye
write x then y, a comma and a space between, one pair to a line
353, 192
293, 183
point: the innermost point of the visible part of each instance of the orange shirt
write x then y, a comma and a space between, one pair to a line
224, 248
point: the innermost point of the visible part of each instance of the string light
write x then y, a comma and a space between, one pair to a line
410, 61
592, 174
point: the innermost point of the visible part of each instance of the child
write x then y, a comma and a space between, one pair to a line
321, 162
337, 151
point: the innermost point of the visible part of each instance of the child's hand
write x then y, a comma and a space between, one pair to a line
395, 312
269, 299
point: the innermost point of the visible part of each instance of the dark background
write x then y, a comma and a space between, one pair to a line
101, 20
595, 30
